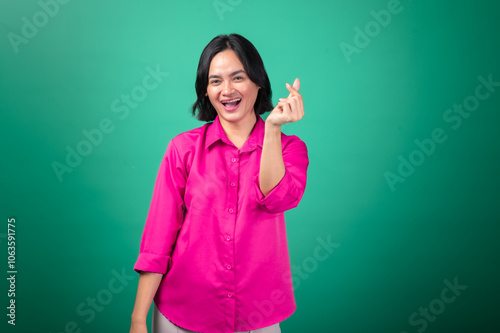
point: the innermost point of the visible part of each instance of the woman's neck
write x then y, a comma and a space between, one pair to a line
238, 133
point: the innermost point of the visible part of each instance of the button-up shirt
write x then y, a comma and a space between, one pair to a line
220, 243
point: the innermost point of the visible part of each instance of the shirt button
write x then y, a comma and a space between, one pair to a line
228, 266
233, 160
229, 295
232, 184
231, 210
228, 238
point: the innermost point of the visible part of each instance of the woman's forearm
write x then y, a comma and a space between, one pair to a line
146, 290
272, 167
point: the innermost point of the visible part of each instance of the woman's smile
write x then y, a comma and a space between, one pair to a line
231, 104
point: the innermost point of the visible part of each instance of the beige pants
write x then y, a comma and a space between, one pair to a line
161, 324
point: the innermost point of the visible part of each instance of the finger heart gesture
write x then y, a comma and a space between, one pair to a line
289, 109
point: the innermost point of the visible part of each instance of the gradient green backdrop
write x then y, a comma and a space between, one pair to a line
395, 246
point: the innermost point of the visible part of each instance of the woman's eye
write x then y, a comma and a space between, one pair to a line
215, 82
238, 78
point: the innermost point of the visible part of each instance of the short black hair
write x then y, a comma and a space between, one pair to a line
252, 63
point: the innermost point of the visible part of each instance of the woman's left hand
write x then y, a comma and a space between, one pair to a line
289, 109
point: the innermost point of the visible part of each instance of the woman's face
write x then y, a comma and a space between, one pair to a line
230, 90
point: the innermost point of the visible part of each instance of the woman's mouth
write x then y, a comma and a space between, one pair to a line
231, 104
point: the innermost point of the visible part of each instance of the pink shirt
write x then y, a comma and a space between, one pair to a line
220, 242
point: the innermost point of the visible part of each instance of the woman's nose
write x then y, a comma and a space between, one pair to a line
228, 88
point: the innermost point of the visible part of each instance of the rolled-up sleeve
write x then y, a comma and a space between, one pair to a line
165, 216
289, 191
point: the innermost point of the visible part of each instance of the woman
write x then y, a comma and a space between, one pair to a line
214, 255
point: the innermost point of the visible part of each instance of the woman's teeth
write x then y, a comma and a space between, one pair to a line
232, 102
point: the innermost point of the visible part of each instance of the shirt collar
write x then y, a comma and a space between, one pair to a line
215, 132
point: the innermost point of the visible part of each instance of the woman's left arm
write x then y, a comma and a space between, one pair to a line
272, 166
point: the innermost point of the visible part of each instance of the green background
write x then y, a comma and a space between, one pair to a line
395, 246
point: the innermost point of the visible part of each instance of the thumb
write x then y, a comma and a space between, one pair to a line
296, 86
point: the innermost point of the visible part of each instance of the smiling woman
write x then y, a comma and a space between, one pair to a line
214, 253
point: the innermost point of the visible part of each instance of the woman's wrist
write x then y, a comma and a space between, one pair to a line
272, 128
138, 318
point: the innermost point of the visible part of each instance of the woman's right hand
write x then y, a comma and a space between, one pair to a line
138, 327
148, 285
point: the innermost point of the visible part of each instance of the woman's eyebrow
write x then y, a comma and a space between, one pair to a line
232, 74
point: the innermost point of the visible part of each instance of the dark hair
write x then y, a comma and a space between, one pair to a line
252, 63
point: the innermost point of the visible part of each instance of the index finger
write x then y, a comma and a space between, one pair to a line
295, 88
